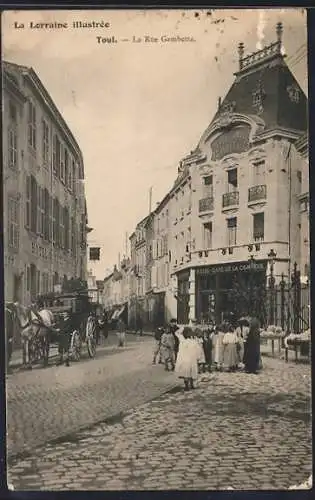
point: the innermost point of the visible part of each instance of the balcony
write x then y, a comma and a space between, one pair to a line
230, 199
206, 204
257, 193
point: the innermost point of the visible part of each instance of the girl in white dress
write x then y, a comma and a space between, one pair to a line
186, 365
198, 337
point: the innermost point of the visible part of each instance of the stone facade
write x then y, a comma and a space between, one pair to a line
237, 214
45, 216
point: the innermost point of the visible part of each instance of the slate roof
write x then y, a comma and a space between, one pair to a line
275, 79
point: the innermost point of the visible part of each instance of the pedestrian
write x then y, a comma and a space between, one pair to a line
173, 327
64, 338
168, 350
252, 360
241, 332
198, 338
186, 365
230, 354
157, 345
207, 348
121, 332
140, 325
218, 346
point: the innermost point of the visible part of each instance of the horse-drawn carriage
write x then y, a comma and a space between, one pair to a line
78, 307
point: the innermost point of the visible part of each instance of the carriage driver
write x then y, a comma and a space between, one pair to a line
65, 339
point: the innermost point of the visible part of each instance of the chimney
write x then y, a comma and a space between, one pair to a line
219, 103
240, 54
279, 31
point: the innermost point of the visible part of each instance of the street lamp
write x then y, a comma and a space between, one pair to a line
271, 257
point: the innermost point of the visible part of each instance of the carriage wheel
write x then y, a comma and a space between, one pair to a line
75, 346
91, 338
91, 345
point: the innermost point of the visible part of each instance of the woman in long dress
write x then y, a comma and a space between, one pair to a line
252, 348
186, 365
230, 355
218, 346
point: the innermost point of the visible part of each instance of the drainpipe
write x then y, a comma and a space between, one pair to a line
288, 159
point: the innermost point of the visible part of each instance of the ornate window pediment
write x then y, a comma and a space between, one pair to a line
234, 140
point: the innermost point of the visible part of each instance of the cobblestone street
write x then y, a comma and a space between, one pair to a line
234, 430
45, 404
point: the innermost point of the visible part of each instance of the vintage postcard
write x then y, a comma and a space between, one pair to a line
157, 249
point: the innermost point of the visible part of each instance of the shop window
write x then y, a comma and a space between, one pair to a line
231, 231
232, 180
259, 227
207, 235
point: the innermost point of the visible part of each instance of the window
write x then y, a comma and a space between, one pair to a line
45, 145
28, 203
259, 169
14, 234
46, 215
258, 227
62, 163
42, 211
62, 227
31, 124
67, 227
13, 147
232, 180
70, 174
58, 157
73, 177
39, 217
12, 112
207, 235
56, 222
34, 207
54, 156
66, 167
73, 236
232, 228
208, 180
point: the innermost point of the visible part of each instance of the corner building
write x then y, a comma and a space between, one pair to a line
246, 190
44, 205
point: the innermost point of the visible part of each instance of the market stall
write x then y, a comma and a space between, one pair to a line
273, 333
300, 343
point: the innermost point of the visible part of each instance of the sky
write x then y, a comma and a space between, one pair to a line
136, 109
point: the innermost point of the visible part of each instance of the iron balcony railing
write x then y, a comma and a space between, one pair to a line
206, 204
229, 199
256, 193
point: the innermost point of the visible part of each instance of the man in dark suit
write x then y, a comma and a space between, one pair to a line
173, 327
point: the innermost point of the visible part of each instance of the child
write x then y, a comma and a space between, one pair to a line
186, 364
168, 350
198, 338
230, 355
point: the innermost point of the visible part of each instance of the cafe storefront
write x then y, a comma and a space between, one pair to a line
237, 288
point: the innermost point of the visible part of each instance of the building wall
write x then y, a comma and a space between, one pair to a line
36, 252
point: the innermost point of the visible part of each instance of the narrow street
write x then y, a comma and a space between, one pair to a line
45, 404
234, 430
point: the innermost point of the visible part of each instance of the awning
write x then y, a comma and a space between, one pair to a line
118, 312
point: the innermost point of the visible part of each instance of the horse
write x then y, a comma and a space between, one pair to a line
35, 335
